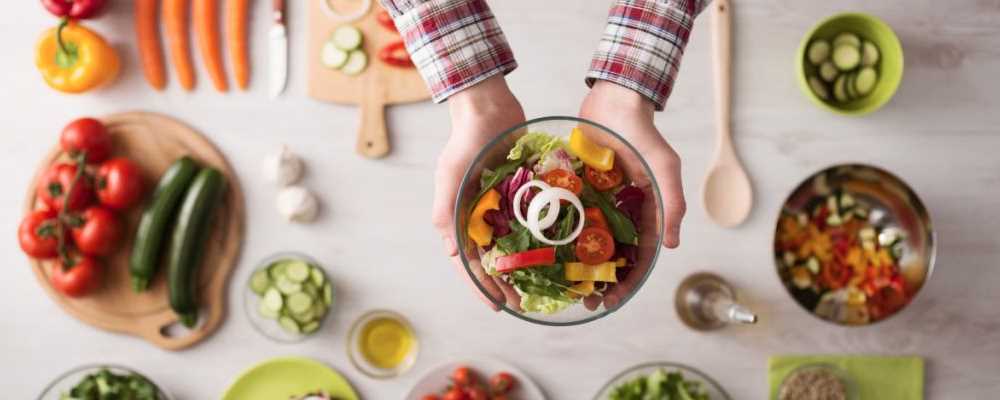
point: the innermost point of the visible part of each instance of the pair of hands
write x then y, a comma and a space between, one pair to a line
481, 112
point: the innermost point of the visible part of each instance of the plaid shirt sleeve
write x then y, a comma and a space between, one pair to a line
453, 43
642, 45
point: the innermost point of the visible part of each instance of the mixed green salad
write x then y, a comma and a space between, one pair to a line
107, 385
557, 221
659, 385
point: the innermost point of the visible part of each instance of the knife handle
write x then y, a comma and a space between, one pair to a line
279, 11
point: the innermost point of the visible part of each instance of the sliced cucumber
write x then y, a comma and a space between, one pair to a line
297, 271
289, 324
357, 60
847, 38
328, 294
347, 38
828, 71
846, 57
332, 57
267, 312
849, 86
866, 80
318, 278
260, 282
869, 54
287, 286
299, 303
273, 300
294, 292
819, 88
310, 327
819, 51
277, 270
839, 91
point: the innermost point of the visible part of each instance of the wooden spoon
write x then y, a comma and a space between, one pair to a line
727, 194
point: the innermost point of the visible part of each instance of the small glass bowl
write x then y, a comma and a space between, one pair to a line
715, 392
359, 360
270, 327
850, 386
63, 383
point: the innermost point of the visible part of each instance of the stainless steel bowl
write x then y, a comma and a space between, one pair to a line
893, 205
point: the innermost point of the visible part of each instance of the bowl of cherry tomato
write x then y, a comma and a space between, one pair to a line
475, 380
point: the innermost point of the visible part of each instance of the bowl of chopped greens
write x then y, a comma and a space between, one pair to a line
103, 381
854, 244
559, 221
662, 381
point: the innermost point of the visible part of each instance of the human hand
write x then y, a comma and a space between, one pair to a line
478, 114
631, 115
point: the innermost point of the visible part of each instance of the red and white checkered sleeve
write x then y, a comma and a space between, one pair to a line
453, 43
642, 45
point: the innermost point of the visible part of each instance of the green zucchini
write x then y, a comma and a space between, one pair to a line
156, 219
190, 233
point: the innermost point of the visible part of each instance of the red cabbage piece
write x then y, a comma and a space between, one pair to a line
629, 252
520, 177
629, 202
499, 221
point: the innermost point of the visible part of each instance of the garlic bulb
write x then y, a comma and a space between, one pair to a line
298, 204
284, 168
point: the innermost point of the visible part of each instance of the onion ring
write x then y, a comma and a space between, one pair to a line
549, 219
552, 194
334, 15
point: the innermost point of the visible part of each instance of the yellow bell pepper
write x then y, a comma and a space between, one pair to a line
592, 154
582, 289
603, 272
74, 59
479, 231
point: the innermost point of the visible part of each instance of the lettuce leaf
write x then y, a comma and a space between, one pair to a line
542, 304
534, 145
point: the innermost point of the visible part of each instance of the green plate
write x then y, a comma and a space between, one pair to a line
281, 378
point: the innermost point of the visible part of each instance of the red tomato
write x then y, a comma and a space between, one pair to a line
86, 135
499, 397
564, 179
476, 393
455, 393
594, 217
594, 246
604, 180
430, 397
119, 183
37, 234
98, 233
462, 376
56, 182
78, 280
502, 383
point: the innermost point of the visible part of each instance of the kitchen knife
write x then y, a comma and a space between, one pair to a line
278, 51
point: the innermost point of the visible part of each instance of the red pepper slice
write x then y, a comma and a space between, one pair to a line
526, 259
835, 275
395, 54
886, 297
385, 20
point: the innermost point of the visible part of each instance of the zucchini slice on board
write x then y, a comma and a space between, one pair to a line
828, 71
865, 81
819, 51
347, 38
357, 60
847, 38
839, 90
869, 54
819, 88
846, 57
332, 57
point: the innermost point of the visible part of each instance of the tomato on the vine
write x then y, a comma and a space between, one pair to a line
96, 231
78, 279
594, 246
53, 187
86, 135
119, 183
38, 234
604, 180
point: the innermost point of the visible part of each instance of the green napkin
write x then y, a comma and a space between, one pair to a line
876, 377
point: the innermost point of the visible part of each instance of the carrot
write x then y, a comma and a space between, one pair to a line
205, 15
147, 32
175, 19
236, 39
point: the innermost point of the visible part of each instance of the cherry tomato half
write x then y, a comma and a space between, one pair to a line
564, 179
98, 232
56, 182
594, 217
502, 383
594, 246
76, 280
119, 183
37, 234
604, 180
86, 135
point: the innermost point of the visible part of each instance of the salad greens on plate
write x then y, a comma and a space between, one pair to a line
659, 385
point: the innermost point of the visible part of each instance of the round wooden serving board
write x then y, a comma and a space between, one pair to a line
153, 142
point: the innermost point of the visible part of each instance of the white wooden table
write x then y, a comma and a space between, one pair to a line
940, 134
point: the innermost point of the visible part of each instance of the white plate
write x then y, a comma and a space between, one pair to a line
435, 381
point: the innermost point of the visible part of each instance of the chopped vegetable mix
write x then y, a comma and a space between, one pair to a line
659, 385
107, 385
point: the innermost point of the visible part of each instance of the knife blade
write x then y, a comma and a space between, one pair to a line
278, 51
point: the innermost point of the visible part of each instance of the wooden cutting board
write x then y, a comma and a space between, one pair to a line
153, 142
372, 90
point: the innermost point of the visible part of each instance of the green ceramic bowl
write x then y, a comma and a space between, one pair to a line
890, 65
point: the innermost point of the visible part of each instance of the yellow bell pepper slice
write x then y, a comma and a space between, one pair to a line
74, 59
582, 289
592, 154
479, 231
603, 272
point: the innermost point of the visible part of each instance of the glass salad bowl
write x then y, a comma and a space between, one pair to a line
690, 374
551, 297
69, 379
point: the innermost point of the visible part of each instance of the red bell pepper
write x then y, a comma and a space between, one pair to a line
526, 259
74, 9
395, 54
835, 275
385, 20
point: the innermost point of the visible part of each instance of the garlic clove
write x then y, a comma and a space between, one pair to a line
298, 204
284, 168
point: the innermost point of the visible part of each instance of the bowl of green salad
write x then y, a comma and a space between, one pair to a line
662, 381
559, 221
103, 381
